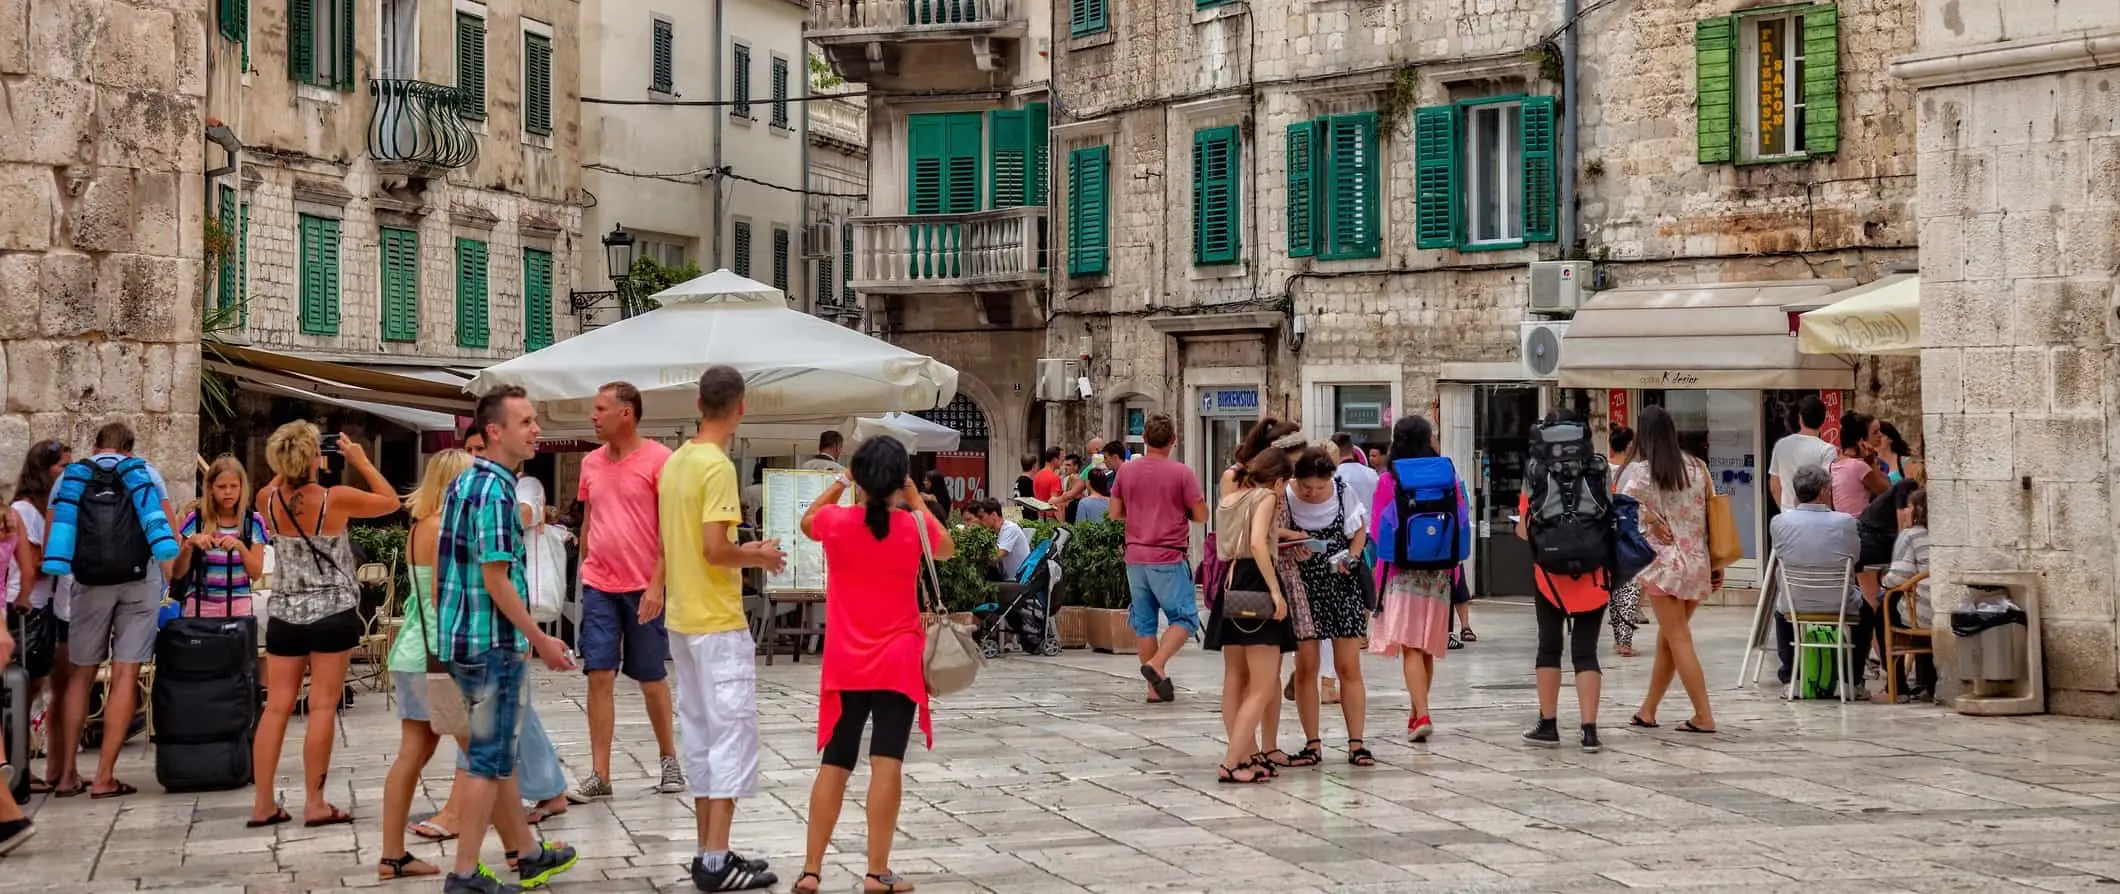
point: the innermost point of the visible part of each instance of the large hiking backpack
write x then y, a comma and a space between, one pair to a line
1570, 516
110, 544
1426, 531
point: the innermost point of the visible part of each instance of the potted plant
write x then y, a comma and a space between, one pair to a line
1094, 569
964, 583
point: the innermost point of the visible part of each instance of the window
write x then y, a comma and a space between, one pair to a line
1216, 239
1484, 174
740, 239
740, 82
473, 328
660, 82
400, 250
1332, 188
234, 17
320, 42
1017, 155
471, 65
319, 262
825, 295
537, 299
846, 260
780, 259
1363, 411
780, 93
668, 252
233, 279
944, 157
1769, 85
1087, 17
1088, 211
397, 54
537, 81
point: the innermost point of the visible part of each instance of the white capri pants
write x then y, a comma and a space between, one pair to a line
717, 711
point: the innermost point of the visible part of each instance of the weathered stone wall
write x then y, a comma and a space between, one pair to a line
100, 226
2019, 139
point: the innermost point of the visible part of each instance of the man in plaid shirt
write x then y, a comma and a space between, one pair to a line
484, 627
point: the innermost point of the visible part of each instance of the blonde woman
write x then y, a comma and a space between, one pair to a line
313, 627
224, 544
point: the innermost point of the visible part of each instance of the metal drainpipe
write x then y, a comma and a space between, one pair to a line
809, 273
721, 117
1568, 125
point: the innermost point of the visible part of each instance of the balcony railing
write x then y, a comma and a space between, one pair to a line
947, 252
418, 123
901, 15
840, 119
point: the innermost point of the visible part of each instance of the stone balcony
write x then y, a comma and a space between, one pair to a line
841, 121
985, 251
417, 128
904, 43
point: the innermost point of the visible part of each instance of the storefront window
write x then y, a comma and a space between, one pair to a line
1363, 411
1722, 428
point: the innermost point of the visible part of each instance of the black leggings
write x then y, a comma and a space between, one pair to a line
894, 715
1583, 633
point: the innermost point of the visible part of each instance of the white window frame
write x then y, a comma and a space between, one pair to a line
1748, 99
1511, 177
522, 79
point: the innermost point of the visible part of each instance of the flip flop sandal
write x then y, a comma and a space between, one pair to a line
538, 815
337, 818
1686, 726
1165, 691
891, 882
76, 790
393, 868
1637, 721
277, 817
1358, 755
123, 789
40, 787
430, 830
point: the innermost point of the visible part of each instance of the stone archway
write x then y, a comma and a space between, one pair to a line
1003, 443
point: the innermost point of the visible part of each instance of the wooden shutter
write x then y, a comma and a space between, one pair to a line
740, 243
471, 66
1302, 165
824, 284
1037, 122
846, 260
1715, 89
1087, 17
235, 20
927, 147
225, 278
1541, 173
343, 78
537, 299
319, 305
243, 264
740, 93
1088, 248
963, 163
301, 40
1435, 198
780, 259
661, 51
537, 69
472, 326
400, 250
1008, 157
780, 92
1215, 200
1821, 80
1350, 198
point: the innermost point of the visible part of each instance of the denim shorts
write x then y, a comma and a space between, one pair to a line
410, 691
612, 637
495, 687
1166, 588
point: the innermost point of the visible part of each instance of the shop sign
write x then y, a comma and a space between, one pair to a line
964, 473
1230, 402
1616, 408
1830, 432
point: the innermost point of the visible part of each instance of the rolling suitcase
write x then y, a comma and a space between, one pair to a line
14, 724
205, 703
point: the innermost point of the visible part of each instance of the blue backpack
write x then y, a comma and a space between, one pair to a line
1424, 529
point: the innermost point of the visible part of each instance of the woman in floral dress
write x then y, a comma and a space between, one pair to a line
1672, 488
1414, 623
1334, 615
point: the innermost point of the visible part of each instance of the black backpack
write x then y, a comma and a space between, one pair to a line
1570, 517
110, 543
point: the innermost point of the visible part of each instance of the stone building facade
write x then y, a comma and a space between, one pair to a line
838, 182
2019, 165
100, 160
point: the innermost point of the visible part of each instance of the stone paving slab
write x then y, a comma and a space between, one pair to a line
1052, 775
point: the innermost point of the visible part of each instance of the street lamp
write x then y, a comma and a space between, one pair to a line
618, 253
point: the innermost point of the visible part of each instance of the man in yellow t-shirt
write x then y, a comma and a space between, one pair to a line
699, 509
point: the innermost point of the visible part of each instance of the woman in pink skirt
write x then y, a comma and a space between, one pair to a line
1414, 623
1673, 490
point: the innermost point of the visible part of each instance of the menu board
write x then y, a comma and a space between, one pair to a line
788, 494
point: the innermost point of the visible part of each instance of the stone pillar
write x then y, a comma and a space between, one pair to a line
101, 153
2019, 167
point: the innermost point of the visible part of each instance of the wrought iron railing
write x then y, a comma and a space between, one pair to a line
985, 247
853, 15
415, 121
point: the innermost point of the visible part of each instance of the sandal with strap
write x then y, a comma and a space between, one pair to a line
1228, 775
393, 868
1266, 765
1310, 756
806, 876
892, 883
1358, 755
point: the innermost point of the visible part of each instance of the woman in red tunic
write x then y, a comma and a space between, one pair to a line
872, 657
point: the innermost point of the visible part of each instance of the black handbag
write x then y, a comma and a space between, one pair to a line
36, 639
1245, 605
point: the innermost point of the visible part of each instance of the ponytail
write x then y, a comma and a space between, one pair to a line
878, 516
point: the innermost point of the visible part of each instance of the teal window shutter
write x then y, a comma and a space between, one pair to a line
344, 79
1303, 178
825, 295
1541, 173
1821, 80
660, 82
537, 69
235, 20
473, 328
1088, 207
471, 66
1435, 178
319, 262
1087, 17
740, 91
1349, 149
963, 164
1008, 157
301, 41
846, 260
780, 92
1216, 215
740, 243
780, 259
927, 153
243, 264
537, 299
1037, 124
1715, 89
400, 250
225, 275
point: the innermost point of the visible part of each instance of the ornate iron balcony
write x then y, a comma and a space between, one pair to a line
418, 123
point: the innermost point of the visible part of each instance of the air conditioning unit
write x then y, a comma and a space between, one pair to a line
1058, 379
1557, 287
1540, 341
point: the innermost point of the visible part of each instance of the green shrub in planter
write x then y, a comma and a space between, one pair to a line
964, 583
1094, 565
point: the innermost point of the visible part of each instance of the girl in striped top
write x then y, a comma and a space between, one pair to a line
224, 544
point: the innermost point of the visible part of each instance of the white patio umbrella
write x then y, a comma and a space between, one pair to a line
917, 434
799, 368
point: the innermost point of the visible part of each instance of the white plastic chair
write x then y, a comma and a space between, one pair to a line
1801, 587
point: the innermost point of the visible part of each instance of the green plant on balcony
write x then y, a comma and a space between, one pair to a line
418, 122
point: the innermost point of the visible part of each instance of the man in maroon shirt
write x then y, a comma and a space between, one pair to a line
1160, 500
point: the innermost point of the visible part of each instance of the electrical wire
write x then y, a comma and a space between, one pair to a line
697, 176
812, 97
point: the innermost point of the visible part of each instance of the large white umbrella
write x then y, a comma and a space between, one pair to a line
917, 434
799, 368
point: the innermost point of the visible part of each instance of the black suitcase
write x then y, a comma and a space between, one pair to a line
14, 725
205, 703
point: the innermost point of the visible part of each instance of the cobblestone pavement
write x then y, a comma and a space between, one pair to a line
1052, 775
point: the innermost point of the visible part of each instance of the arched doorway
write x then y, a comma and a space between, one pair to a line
965, 468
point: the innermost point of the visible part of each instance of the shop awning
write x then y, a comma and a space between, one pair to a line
420, 421
1883, 317
437, 391
1711, 335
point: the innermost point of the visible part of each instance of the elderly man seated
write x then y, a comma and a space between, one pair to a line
1812, 535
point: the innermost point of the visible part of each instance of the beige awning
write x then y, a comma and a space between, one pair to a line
1711, 335
339, 381
1883, 317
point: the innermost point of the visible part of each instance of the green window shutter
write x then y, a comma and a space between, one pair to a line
301, 41
1715, 89
537, 69
963, 164
1008, 157
780, 259
319, 247
1350, 197
345, 36
1088, 239
473, 329
225, 278
1541, 204
662, 52
740, 93
927, 151
471, 66
400, 250
825, 294
846, 260
1037, 123
235, 20
1216, 215
1821, 80
1087, 17
1303, 178
243, 264
537, 299
740, 243
780, 92
1435, 178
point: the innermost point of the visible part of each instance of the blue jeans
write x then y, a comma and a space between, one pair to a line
539, 776
495, 687
1165, 588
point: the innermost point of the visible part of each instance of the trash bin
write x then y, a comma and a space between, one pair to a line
1990, 632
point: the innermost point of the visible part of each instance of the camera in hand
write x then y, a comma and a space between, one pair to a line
330, 442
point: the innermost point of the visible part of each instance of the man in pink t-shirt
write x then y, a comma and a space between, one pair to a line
622, 599
1160, 500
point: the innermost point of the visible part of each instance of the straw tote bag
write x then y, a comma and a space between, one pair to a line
952, 659
1725, 547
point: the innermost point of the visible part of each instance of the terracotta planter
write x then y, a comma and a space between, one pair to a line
965, 618
1096, 634
1109, 631
1073, 621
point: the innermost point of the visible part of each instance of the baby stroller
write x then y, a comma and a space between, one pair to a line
1025, 609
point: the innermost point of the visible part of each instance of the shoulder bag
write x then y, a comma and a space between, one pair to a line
1245, 605
447, 712
1725, 547
951, 658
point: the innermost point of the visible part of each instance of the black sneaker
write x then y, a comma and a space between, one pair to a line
1590, 743
1546, 733
13, 833
480, 882
538, 869
737, 874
